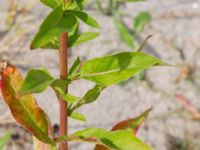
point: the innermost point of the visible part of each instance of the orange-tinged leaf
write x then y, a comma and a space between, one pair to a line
0, 84
101, 147
24, 109
133, 123
128, 124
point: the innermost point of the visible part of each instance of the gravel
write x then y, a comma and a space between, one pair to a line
174, 22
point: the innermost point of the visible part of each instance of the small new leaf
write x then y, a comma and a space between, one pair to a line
89, 97
82, 38
80, 3
70, 98
78, 116
93, 94
49, 3
84, 17
60, 86
73, 72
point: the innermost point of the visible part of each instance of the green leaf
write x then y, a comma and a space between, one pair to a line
74, 33
52, 27
89, 97
49, 3
93, 94
24, 109
81, 3
124, 33
63, 2
52, 44
74, 69
4, 140
60, 86
82, 38
76, 5
84, 17
114, 140
77, 116
112, 69
70, 98
141, 20
36, 81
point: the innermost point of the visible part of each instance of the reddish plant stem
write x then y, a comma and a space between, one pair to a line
63, 55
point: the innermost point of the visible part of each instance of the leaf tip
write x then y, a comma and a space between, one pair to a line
31, 47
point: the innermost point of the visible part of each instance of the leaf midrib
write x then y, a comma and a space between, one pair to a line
112, 71
28, 113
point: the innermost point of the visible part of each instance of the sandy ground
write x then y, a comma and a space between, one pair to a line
174, 22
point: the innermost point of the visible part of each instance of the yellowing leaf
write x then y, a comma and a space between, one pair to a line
24, 109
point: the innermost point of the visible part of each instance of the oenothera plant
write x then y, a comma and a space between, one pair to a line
60, 30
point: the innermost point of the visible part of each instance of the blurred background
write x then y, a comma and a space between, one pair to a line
173, 92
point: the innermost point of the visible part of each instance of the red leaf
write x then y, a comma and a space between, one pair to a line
133, 123
24, 109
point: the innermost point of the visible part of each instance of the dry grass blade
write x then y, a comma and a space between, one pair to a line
188, 106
